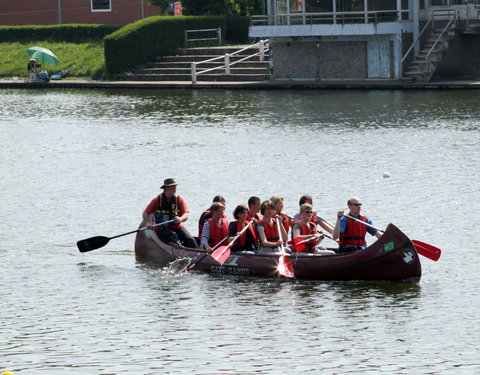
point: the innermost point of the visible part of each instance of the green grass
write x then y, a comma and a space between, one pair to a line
82, 60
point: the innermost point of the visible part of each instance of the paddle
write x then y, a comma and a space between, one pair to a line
203, 256
97, 242
223, 252
428, 251
284, 264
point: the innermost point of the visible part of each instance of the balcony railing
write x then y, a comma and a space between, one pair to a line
329, 18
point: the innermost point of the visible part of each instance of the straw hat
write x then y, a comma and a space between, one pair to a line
168, 182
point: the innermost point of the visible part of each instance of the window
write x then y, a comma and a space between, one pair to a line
101, 5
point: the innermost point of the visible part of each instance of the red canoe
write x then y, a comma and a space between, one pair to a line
392, 257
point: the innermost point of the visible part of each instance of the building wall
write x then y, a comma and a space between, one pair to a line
46, 12
339, 58
462, 58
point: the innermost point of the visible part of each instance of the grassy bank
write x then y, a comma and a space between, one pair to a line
82, 60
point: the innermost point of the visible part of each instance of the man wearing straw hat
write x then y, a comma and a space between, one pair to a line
169, 206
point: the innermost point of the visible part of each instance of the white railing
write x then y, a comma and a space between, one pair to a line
226, 60
331, 18
440, 15
447, 27
218, 35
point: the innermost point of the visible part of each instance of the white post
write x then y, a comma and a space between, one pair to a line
194, 72
366, 11
416, 25
227, 63
261, 47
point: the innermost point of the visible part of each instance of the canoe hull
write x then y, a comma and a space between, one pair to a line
391, 258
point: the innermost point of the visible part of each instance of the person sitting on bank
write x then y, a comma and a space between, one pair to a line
32, 69
277, 200
169, 206
254, 208
305, 229
315, 218
267, 229
207, 214
215, 229
350, 232
249, 239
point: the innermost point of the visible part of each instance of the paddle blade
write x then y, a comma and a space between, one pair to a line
427, 250
285, 267
221, 254
92, 243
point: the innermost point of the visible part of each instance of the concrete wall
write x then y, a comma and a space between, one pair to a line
462, 58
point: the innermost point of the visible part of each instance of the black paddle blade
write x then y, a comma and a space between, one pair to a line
92, 243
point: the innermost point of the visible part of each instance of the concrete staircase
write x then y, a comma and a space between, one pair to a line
418, 70
178, 68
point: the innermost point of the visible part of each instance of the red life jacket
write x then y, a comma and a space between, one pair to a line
207, 214
287, 223
257, 217
271, 231
217, 232
241, 240
355, 233
306, 230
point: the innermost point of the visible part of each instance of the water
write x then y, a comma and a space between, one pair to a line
75, 164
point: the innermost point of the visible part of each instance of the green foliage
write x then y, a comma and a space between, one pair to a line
245, 7
80, 59
76, 33
148, 39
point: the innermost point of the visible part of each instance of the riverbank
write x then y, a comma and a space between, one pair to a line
262, 85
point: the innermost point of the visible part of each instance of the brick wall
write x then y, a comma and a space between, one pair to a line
45, 12
322, 60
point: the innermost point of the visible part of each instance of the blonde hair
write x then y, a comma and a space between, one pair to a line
276, 199
306, 206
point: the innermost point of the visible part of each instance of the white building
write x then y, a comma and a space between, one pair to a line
370, 39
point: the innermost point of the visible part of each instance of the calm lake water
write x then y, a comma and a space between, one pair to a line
75, 164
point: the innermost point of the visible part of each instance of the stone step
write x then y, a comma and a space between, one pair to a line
221, 50
192, 58
188, 64
202, 77
187, 70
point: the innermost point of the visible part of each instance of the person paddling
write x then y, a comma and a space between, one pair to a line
270, 238
315, 218
207, 214
215, 229
249, 239
169, 206
306, 230
254, 208
277, 200
350, 232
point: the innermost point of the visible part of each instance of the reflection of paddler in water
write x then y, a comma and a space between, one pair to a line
32, 69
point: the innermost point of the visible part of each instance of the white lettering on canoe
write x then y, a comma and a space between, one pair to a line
227, 270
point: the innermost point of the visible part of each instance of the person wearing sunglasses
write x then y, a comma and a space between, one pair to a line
315, 218
350, 233
306, 230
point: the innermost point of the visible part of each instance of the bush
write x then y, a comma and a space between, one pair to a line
148, 39
73, 33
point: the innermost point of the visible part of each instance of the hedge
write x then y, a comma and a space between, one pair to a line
146, 40
74, 33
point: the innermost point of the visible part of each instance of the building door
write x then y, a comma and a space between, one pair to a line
378, 53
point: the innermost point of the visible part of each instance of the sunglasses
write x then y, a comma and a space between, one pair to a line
308, 212
356, 204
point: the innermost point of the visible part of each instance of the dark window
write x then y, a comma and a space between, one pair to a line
101, 5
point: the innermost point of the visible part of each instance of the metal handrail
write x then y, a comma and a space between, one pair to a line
417, 38
445, 29
227, 64
324, 17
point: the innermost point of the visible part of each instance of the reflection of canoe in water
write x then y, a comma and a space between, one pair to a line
392, 257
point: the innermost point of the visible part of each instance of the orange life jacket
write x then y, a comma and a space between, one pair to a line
355, 233
217, 232
305, 230
241, 240
271, 231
